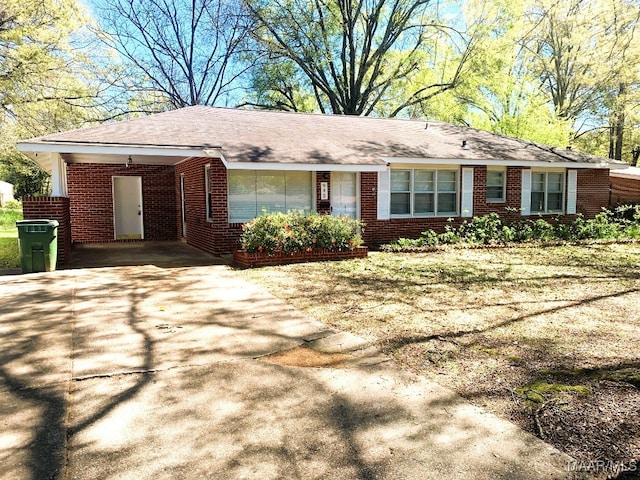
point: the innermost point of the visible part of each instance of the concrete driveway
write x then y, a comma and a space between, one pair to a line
160, 373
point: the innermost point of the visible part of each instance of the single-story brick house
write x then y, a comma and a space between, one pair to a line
198, 173
625, 186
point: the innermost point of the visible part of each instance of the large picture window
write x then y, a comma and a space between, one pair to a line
423, 193
547, 192
252, 191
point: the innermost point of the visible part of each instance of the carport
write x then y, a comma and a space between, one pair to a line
116, 183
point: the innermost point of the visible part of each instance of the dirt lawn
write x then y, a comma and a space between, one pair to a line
546, 337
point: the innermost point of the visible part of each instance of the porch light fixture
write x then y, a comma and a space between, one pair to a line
129, 162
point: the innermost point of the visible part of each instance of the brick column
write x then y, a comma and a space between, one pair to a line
52, 208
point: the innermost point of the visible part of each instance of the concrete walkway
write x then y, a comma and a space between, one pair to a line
160, 373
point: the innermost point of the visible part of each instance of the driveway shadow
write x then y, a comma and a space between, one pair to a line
144, 372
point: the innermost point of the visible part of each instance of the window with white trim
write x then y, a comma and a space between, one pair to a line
496, 185
424, 193
547, 192
207, 190
252, 191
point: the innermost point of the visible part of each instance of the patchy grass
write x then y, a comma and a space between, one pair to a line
9, 251
493, 323
8, 219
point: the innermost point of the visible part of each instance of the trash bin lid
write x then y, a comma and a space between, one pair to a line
51, 223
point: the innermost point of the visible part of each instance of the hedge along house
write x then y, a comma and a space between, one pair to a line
199, 173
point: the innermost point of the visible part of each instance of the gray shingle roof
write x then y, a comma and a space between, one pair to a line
264, 136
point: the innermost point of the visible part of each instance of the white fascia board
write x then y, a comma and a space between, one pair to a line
501, 163
308, 167
137, 150
629, 172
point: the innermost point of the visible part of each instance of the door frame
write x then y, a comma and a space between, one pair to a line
183, 208
141, 205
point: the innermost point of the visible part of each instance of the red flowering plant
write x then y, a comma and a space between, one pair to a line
294, 232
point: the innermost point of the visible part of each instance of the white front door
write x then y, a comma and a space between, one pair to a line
127, 208
344, 194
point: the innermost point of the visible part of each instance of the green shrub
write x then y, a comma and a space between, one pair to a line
482, 230
294, 232
623, 223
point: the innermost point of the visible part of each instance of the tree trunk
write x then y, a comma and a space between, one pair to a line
616, 132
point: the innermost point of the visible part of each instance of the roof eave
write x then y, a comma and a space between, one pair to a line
506, 163
117, 149
309, 167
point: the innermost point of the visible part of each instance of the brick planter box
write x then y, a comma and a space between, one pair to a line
244, 259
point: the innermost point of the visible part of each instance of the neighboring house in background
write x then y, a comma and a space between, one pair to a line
199, 172
6, 193
625, 186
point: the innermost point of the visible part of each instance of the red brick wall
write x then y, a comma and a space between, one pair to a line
216, 236
250, 260
52, 208
91, 200
593, 191
507, 209
624, 190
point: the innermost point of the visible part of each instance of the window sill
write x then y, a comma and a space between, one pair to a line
440, 215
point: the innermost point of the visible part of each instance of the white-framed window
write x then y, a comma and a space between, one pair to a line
547, 192
207, 190
496, 185
424, 192
252, 191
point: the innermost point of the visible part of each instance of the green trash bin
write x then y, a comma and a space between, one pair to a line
38, 241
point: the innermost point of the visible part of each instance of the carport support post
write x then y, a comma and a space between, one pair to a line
58, 176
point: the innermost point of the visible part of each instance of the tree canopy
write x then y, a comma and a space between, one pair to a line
183, 49
348, 54
46, 80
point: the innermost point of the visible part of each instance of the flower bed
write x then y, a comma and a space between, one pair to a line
244, 259
278, 238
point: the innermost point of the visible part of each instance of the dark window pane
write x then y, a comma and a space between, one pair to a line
446, 203
537, 201
423, 203
400, 204
554, 201
495, 193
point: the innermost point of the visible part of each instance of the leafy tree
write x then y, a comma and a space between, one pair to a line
45, 80
38, 63
585, 54
496, 90
276, 84
182, 49
350, 53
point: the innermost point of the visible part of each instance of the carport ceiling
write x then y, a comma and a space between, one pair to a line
122, 159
